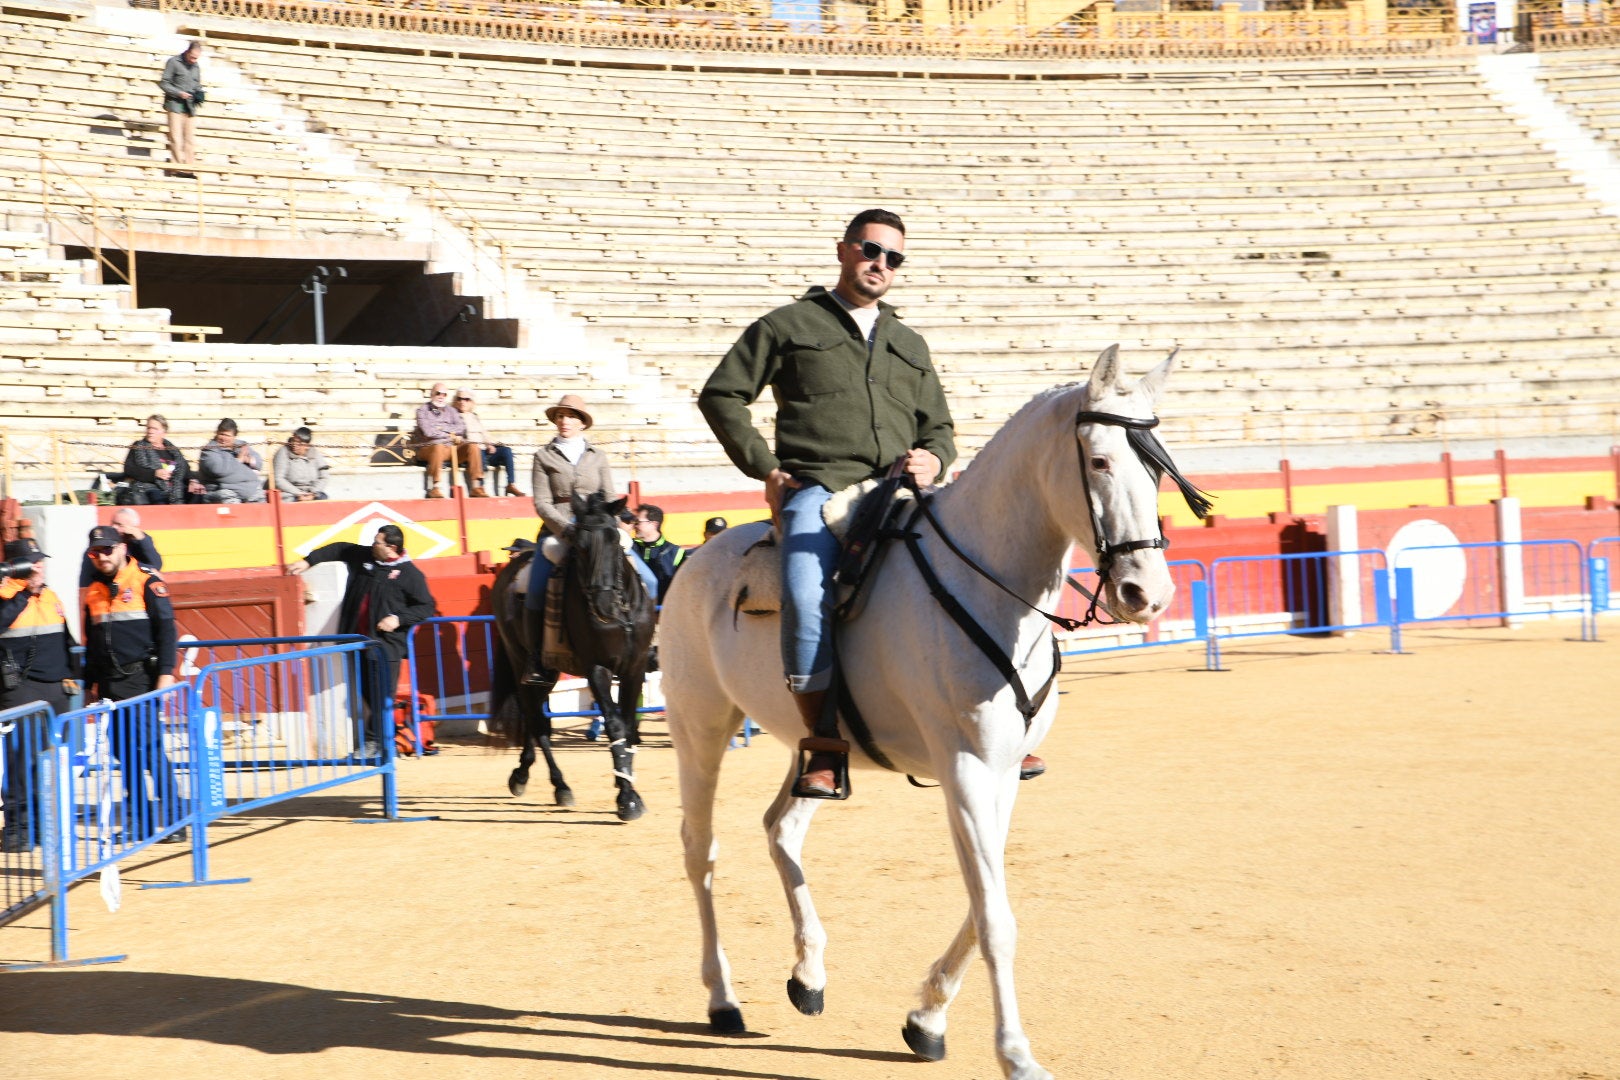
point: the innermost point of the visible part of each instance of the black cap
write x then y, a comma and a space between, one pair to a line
714, 525
21, 550
393, 536
105, 536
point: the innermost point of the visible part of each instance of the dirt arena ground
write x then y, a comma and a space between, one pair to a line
1324, 863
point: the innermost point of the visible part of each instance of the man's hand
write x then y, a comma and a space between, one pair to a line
922, 465
306, 497
163, 473
388, 623
165, 681
131, 534
775, 483
184, 96
36, 580
297, 567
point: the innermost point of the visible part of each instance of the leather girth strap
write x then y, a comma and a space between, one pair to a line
840, 700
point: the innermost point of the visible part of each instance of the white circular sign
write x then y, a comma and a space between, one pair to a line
1439, 573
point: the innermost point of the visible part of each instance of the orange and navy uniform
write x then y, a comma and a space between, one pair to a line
34, 631
127, 619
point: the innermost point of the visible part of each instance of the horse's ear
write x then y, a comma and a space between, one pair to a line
1153, 381
617, 506
577, 501
1105, 375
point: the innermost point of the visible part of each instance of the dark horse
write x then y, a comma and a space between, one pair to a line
609, 618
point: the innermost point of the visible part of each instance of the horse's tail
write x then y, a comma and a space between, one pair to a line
505, 702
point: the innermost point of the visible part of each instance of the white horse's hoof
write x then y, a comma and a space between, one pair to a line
926, 1046
1031, 1071
808, 1001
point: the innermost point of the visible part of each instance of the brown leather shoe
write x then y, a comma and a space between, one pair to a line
435, 494
512, 489
1031, 767
820, 777
478, 493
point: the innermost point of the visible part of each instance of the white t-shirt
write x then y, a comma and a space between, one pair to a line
865, 317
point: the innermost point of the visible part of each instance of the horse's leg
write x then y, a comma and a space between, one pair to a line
701, 733
518, 782
630, 806
979, 803
561, 793
786, 822
925, 1025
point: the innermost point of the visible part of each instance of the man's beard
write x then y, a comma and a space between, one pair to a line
867, 289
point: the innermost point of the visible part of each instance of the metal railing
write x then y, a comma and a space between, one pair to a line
732, 33
1600, 563
455, 667
1186, 620
1299, 593
1503, 581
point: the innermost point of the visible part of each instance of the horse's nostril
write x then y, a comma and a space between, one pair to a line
1132, 596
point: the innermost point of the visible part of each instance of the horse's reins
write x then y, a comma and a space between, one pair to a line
1154, 457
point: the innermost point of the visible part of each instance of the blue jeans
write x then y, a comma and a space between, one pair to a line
500, 458
809, 553
540, 569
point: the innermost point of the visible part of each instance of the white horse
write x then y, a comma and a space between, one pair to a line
1072, 463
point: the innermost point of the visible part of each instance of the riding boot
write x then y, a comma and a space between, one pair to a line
828, 757
534, 622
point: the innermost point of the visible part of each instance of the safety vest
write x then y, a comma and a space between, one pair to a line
119, 627
38, 637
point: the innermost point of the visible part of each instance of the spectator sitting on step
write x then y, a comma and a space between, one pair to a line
155, 468
231, 471
440, 436
496, 456
300, 469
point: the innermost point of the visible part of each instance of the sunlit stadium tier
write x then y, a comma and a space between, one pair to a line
1345, 249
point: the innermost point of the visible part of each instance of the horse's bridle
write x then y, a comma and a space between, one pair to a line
1156, 460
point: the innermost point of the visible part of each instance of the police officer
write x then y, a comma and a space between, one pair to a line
130, 651
37, 648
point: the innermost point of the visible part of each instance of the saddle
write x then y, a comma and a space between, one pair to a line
857, 516
558, 653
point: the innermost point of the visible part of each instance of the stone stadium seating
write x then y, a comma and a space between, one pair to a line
1350, 250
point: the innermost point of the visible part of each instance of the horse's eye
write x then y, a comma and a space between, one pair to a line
1099, 464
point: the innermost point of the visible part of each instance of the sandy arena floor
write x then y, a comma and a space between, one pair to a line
1324, 863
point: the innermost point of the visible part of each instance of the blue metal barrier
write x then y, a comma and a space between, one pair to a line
1303, 593
451, 669
113, 779
24, 735
1187, 618
1600, 574
196, 655
1501, 579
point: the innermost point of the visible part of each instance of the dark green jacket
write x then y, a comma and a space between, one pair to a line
843, 412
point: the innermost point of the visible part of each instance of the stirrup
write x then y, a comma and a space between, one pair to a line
812, 747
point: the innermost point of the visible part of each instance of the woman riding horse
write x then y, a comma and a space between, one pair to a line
566, 466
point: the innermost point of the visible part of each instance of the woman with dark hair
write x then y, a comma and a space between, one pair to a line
155, 468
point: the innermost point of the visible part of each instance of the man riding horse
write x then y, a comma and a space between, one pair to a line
856, 396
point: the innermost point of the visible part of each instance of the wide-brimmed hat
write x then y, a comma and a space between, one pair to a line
570, 403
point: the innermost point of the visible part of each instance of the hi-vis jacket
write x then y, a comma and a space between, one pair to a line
33, 630
128, 619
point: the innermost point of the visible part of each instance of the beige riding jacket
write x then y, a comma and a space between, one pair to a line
555, 481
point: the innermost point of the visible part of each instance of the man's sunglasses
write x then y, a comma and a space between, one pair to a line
102, 550
463, 399
871, 249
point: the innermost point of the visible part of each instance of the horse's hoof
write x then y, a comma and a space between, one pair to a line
926, 1046
726, 1022
565, 796
517, 785
631, 809
808, 1001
